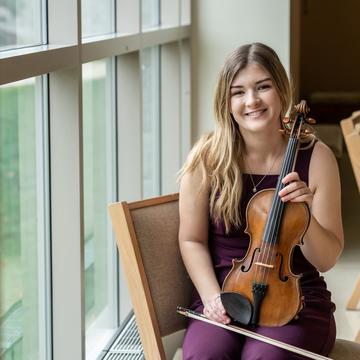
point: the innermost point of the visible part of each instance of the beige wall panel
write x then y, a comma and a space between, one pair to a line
220, 26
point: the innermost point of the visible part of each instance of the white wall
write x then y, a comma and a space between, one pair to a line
219, 26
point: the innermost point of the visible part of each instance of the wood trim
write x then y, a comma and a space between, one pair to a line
351, 131
137, 281
355, 297
153, 201
357, 338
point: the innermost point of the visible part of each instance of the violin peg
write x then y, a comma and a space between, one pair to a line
286, 119
282, 131
311, 121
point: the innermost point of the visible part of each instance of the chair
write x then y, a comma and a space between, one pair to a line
147, 238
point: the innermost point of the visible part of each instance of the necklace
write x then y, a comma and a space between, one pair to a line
255, 186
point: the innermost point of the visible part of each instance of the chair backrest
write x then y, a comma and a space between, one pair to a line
147, 238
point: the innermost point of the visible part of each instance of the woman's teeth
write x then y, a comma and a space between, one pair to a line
255, 113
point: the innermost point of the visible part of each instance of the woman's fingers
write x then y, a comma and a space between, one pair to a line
293, 176
214, 310
295, 190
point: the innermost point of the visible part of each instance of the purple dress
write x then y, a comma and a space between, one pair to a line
315, 328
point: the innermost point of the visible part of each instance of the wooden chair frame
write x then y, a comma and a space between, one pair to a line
351, 131
147, 316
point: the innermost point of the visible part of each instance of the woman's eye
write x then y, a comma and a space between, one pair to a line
264, 87
239, 92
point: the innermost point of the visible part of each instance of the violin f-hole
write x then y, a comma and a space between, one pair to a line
243, 268
283, 278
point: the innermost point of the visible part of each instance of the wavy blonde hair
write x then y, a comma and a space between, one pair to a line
220, 153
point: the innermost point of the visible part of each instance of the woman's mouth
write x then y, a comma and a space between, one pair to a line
255, 114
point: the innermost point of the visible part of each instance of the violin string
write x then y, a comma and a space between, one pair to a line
276, 210
268, 255
279, 205
268, 251
276, 215
265, 249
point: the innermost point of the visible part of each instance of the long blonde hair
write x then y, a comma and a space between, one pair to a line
219, 154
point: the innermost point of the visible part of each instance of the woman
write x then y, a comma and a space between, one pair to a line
223, 171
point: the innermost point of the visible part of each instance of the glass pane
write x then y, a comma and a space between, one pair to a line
99, 190
150, 13
150, 59
21, 23
98, 17
23, 224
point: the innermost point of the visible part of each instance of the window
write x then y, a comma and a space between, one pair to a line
150, 13
150, 65
97, 17
106, 144
24, 212
21, 23
99, 190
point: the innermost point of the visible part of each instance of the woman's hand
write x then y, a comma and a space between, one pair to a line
214, 310
295, 190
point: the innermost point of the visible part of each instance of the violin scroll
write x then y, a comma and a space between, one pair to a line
302, 110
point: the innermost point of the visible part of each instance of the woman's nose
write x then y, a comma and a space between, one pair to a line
252, 99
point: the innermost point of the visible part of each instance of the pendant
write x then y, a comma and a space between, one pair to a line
254, 189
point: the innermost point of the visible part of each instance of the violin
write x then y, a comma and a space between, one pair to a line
261, 289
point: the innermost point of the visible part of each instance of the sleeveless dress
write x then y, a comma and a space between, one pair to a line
315, 328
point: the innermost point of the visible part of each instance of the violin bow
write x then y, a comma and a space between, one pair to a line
251, 334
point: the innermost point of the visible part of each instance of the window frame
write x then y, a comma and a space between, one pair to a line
61, 61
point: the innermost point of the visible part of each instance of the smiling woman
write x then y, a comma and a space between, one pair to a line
242, 156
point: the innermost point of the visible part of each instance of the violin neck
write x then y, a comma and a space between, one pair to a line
274, 218
288, 162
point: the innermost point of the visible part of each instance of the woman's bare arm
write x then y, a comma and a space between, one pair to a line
324, 239
193, 240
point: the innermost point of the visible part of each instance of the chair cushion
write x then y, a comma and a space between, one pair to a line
156, 230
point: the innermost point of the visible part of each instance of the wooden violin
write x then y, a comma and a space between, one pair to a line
261, 289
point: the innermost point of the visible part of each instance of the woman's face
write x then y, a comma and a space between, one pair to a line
254, 101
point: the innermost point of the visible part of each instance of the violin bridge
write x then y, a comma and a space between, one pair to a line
265, 265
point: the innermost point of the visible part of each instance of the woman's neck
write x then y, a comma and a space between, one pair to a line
263, 152
263, 147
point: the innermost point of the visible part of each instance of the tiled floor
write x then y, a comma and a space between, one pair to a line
343, 277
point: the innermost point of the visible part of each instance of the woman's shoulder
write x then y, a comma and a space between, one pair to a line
317, 150
323, 164
322, 152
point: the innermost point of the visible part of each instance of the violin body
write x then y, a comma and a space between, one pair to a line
270, 263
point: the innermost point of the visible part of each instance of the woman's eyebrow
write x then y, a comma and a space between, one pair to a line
257, 82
